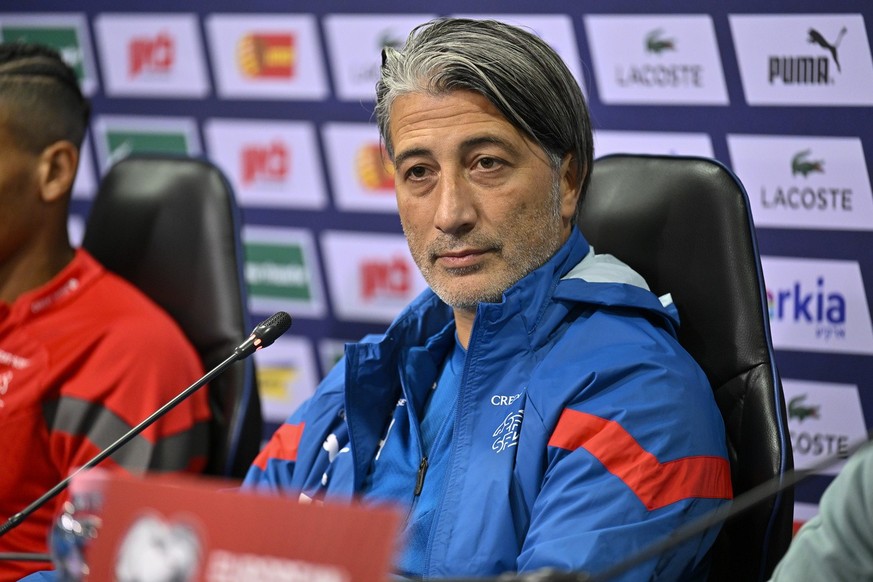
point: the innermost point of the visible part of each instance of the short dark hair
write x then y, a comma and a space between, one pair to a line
514, 69
40, 96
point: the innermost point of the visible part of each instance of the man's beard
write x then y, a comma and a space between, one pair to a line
527, 257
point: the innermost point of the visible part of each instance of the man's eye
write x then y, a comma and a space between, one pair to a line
416, 172
488, 163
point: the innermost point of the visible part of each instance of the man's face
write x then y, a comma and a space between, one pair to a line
19, 186
479, 203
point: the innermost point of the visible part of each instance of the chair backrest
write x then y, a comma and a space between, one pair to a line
684, 224
171, 226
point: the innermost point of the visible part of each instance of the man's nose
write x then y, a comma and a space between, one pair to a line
456, 209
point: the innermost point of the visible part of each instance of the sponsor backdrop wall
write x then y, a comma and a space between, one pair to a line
279, 95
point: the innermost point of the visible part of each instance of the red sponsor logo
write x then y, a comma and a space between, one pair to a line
267, 56
270, 163
386, 279
151, 55
375, 171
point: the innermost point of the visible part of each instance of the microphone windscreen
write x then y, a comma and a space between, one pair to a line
272, 327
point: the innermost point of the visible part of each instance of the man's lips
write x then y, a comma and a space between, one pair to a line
460, 258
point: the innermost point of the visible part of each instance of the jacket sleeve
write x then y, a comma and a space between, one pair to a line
837, 544
273, 468
639, 453
299, 440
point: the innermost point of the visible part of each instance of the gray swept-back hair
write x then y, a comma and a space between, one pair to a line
514, 69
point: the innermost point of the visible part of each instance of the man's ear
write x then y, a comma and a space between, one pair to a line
569, 186
57, 170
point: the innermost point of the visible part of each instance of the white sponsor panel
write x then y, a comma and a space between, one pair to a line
652, 142
281, 271
803, 59
556, 29
269, 163
286, 377
151, 55
658, 59
362, 176
268, 56
85, 185
65, 32
826, 422
804, 182
118, 136
817, 305
371, 276
355, 42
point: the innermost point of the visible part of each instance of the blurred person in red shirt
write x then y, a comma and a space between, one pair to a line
84, 356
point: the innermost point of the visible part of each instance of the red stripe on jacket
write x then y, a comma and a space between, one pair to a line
656, 484
283, 446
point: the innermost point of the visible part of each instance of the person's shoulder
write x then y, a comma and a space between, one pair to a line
620, 331
122, 298
616, 356
858, 471
125, 311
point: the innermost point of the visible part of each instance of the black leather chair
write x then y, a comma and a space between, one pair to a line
171, 226
684, 223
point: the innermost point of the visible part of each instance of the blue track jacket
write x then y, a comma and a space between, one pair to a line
583, 431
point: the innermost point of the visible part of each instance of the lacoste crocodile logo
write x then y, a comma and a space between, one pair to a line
815, 37
801, 165
656, 44
797, 409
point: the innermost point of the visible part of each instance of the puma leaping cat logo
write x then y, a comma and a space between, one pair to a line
815, 37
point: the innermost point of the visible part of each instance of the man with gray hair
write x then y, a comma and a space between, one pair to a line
533, 408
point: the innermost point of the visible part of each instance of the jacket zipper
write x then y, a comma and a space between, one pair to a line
428, 551
419, 480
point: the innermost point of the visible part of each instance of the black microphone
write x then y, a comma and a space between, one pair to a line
262, 336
